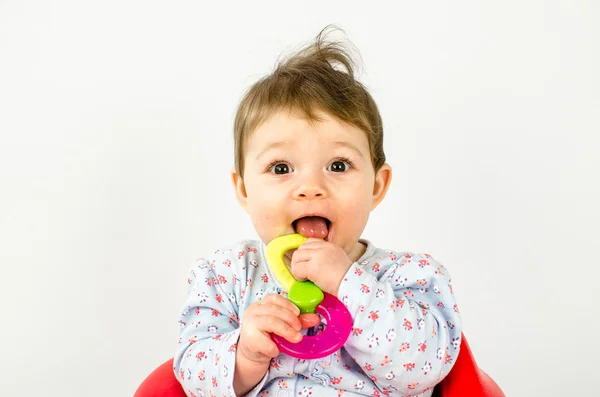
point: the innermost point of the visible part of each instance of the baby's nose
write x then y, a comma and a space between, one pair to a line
310, 193
311, 188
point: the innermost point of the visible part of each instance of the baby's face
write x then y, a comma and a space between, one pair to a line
294, 168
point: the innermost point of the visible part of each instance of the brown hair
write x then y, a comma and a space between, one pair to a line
309, 81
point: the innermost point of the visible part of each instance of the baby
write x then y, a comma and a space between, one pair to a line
309, 159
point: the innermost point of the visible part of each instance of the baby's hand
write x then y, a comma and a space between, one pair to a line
321, 262
274, 314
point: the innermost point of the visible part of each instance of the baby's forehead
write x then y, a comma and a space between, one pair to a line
288, 126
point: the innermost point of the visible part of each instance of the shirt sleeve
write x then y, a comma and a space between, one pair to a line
209, 330
406, 332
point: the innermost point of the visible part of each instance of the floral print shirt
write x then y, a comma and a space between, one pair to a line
405, 336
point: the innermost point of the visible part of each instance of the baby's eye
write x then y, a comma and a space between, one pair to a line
280, 169
339, 166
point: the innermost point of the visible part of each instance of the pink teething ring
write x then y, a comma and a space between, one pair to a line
339, 325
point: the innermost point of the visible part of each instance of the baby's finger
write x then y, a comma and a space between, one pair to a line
309, 320
299, 269
282, 313
302, 256
314, 240
290, 253
279, 300
275, 325
261, 346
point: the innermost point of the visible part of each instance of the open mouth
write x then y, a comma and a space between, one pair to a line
312, 226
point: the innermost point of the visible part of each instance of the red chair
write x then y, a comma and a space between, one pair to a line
465, 379
161, 383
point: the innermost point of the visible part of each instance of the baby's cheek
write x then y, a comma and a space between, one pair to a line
357, 211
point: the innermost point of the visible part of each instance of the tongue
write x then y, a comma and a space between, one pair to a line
312, 226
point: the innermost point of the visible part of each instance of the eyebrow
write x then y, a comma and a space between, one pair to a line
348, 146
278, 144
271, 146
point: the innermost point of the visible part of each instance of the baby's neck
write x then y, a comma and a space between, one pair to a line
358, 251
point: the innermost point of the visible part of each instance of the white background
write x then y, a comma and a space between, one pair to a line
115, 152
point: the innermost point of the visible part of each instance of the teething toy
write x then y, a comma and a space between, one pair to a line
309, 298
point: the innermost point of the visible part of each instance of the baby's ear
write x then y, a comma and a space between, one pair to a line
240, 189
383, 178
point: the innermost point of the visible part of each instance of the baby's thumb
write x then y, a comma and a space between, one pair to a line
309, 320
